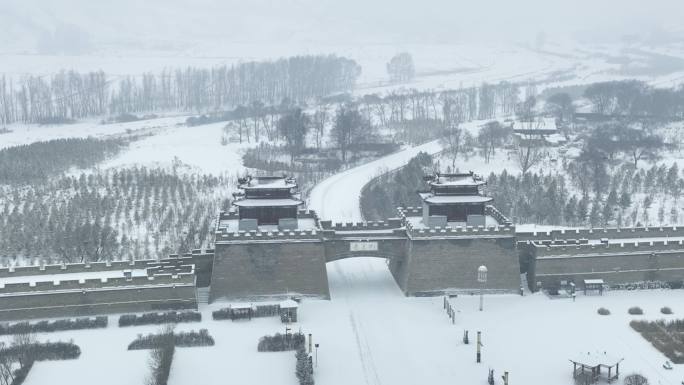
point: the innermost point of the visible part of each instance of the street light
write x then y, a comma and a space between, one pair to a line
482, 279
316, 345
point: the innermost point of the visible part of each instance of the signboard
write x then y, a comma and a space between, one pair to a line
363, 246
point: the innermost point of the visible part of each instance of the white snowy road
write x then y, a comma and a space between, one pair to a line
337, 197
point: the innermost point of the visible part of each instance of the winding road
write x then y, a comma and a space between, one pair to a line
337, 197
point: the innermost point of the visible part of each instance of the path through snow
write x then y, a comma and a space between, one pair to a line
337, 197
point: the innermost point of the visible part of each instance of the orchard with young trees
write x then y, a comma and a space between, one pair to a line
131, 213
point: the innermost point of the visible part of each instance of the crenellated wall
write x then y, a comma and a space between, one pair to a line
581, 249
610, 233
392, 223
109, 300
653, 260
52, 291
75, 268
255, 235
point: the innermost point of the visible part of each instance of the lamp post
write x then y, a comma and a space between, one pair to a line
482, 279
316, 345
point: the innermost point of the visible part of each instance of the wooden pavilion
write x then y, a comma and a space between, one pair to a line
593, 285
595, 367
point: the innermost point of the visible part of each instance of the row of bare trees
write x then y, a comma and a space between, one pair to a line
71, 95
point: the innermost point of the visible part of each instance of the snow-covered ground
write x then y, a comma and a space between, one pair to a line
199, 147
104, 359
369, 333
337, 197
29, 133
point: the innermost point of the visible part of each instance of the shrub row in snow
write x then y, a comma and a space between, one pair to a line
43, 351
257, 311
161, 358
159, 318
182, 339
304, 368
53, 326
280, 342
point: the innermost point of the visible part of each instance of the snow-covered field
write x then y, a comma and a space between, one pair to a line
26, 134
369, 333
199, 147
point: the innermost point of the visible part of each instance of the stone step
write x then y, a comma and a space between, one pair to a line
203, 295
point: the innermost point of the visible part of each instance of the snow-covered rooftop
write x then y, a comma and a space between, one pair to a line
596, 358
445, 199
540, 124
32, 279
233, 225
289, 304
248, 202
417, 222
269, 182
456, 180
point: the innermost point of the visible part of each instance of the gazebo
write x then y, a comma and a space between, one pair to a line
596, 366
288, 311
593, 285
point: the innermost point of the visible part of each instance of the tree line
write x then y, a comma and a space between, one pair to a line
70, 95
635, 98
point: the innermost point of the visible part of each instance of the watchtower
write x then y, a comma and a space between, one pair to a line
265, 245
455, 198
267, 200
456, 231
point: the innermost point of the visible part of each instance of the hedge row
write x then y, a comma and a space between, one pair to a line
281, 343
257, 311
182, 339
159, 318
54, 326
304, 367
44, 351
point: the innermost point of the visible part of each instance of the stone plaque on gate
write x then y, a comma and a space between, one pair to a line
363, 246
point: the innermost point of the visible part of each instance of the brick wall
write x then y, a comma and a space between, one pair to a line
243, 270
436, 265
93, 302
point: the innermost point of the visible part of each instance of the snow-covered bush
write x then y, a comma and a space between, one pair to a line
636, 379
281, 343
635, 310
666, 310
603, 311
304, 369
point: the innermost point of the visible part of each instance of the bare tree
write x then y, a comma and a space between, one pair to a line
452, 141
527, 153
400, 68
6, 367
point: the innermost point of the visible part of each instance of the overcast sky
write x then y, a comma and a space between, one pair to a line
388, 21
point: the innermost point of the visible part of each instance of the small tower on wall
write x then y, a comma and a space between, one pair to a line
455, 200
271, 201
